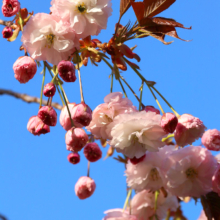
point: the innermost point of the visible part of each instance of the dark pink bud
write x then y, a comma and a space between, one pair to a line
136, 160
24, 68
92, 152
82, 115
76, 139
10, 7
169, 122
150, 108
73, 158
66, 71
7, 32
37, 127
85, 187
49, 89
48, 115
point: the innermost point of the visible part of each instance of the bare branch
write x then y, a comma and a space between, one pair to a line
28, 99
8, 23
2, 217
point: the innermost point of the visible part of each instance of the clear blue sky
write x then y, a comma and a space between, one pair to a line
36, 180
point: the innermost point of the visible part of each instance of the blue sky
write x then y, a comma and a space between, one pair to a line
37, 182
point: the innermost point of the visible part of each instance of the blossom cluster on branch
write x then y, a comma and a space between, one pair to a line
161, 168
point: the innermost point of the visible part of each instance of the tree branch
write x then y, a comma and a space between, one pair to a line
2, 217
28, 99
8, 23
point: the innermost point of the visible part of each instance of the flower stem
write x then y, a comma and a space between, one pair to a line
57, 87
171, 107
42, 86
156, 100
80, 84
110, 66
88, 169
112, 79
127, 199
141, 94
123, 88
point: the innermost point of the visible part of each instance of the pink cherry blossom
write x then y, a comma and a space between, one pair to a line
202, 216
92, 152
10, 7
190, 172
66, 71
150, 172
211, 139
76, 139
24, 69
86, 17
104, 114
216, 181
47, 38
143, 203
85, 187
189, 129
135, 133
118, 214
150, 108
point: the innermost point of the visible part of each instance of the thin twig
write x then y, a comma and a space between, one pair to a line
27, 98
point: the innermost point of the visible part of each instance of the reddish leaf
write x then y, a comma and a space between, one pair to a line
154, 7
211, 205
124, 6
138, 8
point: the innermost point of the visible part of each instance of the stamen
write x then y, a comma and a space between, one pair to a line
191, 173
50, 40
81, 8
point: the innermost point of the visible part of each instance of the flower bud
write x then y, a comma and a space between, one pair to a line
82, 115
188, 129
37, 127
169, 122
92, 152
85, 187
66, 71
10, 7
136, 160
73, 158
150, 108
24, 68
48, 115
65, 120
7, 32
211, 140
49, 89
76, 139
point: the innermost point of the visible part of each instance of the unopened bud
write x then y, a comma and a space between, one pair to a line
150, 108
24, 68
7, 32
76, 139
169, 122
48, 115
126, 51
85, 187
49, 90
73, 158
66, 71
92, 152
